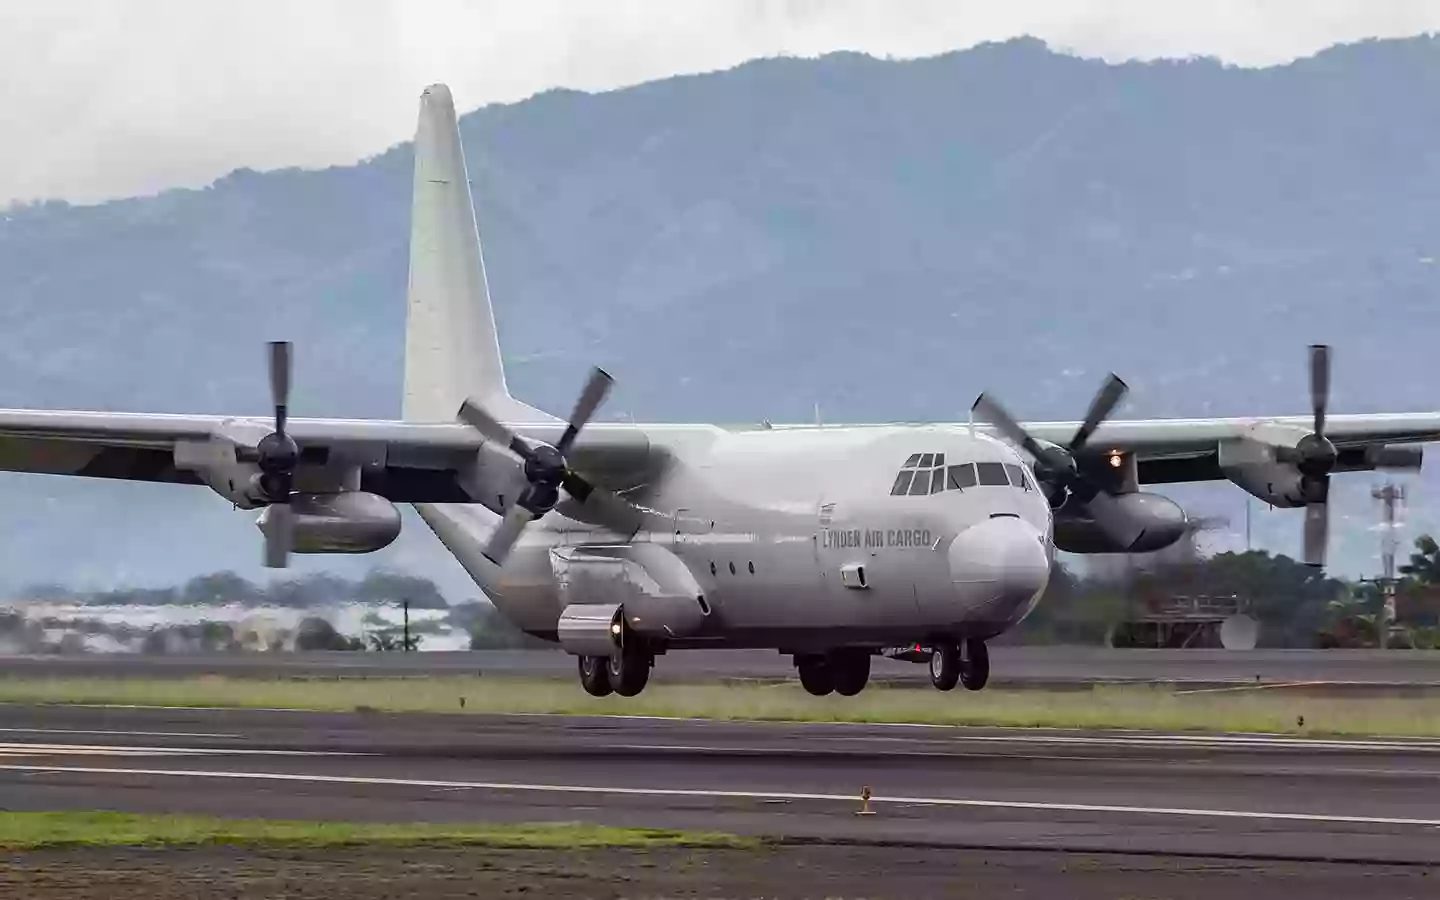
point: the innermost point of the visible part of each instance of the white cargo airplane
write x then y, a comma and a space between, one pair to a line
829, 543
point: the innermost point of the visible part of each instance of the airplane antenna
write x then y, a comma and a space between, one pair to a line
818, 422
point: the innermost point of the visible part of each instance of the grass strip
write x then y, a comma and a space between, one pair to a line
36, 830
1143, 707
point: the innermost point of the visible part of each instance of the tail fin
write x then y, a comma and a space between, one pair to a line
451, 348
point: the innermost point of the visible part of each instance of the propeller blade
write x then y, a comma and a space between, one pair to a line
576, 486
507, 533
280, 381
1106, 399
1317, 532
278, 526
1319, 384
477, 417
994, 413
596, 389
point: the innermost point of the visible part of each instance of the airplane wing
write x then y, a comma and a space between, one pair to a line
405, 462
1180, 450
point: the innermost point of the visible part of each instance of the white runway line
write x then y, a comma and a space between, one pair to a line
99, 733
27, 748
733, 795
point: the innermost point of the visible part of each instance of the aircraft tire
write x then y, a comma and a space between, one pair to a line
945, 667
850, 671
595, 676
629, 671
816, 676
974, 664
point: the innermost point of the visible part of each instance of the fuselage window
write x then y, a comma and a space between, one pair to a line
913, 461
992, 473
962, 477
927, 460
1017, 476
939, 459
902, 484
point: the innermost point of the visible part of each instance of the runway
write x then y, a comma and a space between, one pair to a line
1012, 666
1242, 797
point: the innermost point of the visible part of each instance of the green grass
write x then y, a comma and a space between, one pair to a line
35, 830
1276, 710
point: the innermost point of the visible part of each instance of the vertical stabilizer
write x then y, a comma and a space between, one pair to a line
451, 348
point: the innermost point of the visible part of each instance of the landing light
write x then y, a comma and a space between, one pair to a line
1115, 460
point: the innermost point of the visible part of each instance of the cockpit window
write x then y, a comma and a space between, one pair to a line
992, 473
926, 473
1017, 476
961, 477
902, 484
921, 485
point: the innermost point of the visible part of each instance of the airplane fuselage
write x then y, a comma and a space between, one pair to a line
807, 539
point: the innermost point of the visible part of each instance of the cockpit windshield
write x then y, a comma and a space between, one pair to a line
927, 473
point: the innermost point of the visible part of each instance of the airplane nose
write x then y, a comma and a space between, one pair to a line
999, 567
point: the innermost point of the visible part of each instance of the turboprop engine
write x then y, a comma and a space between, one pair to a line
347, 522
1090, 511
1161, 522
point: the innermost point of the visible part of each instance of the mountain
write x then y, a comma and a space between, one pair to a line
881, 238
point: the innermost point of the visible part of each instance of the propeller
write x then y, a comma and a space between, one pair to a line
1315, 456
1056, 468
277, 454
546, 468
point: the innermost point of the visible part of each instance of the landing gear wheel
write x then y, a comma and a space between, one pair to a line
629, 671
595, 676
850, 671
945, 667
816, 676
974, 664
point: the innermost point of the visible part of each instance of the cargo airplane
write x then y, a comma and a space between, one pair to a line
621, 542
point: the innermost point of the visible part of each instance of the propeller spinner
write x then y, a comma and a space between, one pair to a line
546, 468
1056, 468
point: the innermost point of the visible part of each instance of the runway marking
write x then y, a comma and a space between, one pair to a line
733, 795
167, 734
1253, 687
26, 748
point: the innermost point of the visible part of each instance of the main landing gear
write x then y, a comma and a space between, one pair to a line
625, 673
966, 663
845, 671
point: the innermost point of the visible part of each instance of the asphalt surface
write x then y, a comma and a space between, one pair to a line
1168, 796
1011, 666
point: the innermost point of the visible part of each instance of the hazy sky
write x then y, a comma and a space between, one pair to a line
103, 99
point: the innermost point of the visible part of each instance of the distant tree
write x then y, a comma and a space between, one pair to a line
217, 589
315, 633
1424, 564
489, 629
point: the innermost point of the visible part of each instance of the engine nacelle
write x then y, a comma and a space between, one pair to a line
1164, 520
590, 629
1275, 483
348, 522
